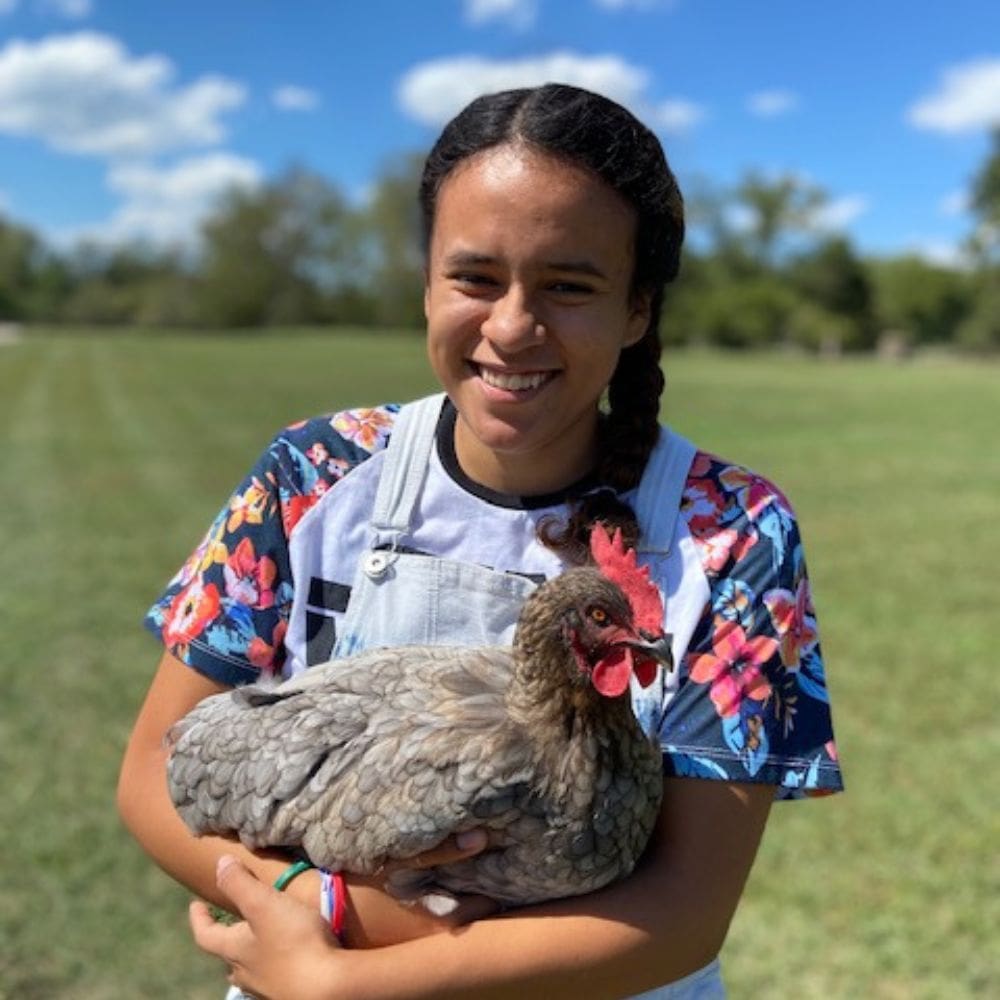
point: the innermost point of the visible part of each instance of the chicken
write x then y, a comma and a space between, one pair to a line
383, 755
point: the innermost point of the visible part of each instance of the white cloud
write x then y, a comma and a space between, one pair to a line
675, 115
772, 103
955, 203
944, 253
83, 93
740, 218
292, 98
433, 92
839, 213
967, 100
165, 205
74, 9
518, 14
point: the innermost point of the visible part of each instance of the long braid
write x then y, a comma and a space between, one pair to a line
627, 434
631, 428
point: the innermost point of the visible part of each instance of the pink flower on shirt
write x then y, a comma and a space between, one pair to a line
793, 621
754, 492
364, 427
190, 612
263, 655
734, 667
250, 580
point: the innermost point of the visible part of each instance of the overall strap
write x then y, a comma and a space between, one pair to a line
658, 501
405, 466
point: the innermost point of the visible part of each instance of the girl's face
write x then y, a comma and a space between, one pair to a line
528, 306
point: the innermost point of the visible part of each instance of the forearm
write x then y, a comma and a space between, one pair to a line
626, 939
531, 956
148, 813
666, 921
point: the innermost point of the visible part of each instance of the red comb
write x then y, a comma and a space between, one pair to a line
618, 564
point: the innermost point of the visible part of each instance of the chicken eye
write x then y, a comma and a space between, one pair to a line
598, 616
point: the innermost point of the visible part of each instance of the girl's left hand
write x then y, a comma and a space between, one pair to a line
265, 951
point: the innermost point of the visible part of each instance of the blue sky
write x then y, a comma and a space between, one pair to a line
122, 118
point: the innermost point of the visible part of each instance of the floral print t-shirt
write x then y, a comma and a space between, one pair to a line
267, 588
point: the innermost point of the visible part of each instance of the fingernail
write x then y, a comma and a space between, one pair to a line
471, 840
223, 865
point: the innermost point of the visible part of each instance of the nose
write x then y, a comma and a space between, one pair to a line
512, 323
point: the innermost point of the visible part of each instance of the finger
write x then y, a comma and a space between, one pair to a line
244, 890
462, 845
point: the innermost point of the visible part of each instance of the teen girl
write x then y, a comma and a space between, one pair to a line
553, 223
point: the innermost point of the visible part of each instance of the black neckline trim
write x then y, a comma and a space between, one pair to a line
449, 459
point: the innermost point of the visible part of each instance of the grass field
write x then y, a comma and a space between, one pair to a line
115, 452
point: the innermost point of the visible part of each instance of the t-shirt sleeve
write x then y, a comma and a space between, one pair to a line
752, 704
226, 611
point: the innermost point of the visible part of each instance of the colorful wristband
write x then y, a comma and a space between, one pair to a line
333, 901
290, 872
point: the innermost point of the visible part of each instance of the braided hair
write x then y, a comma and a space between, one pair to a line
591, 132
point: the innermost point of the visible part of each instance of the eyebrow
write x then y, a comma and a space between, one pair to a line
469, 258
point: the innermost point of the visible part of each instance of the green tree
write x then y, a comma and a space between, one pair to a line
836, 285
776, 210
276, 254
126, 284
984, 197
979, 331
20, 253
925, 301
393, 244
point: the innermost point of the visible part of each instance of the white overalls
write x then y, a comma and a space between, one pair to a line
399, 597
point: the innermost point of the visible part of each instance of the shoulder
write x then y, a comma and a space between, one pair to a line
715, 485
730, 510
335, 442
305, 459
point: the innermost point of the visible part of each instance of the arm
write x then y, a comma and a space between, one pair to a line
145, 807
144, 802
664, 922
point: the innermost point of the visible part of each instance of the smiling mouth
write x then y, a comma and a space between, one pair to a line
512, 381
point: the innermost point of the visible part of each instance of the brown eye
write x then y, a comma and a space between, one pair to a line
598, 616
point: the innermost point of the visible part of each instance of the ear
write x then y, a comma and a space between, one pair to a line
638, 319
427, 296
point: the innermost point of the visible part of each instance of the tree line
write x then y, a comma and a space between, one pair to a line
759, 270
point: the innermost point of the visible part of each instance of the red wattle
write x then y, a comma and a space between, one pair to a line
611, 674
645, 671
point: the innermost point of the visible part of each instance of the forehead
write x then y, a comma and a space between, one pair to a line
518, 193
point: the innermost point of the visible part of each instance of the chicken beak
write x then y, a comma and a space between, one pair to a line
651, 648
658, 647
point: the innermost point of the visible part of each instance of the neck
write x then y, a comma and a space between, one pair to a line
540, 686
547, 469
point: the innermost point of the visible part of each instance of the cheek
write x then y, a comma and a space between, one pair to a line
592, 353
452, 330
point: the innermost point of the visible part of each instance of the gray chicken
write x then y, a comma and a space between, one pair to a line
383, 755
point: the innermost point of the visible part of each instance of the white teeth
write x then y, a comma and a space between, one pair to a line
513, 382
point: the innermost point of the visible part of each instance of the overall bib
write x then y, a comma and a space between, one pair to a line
401, 597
